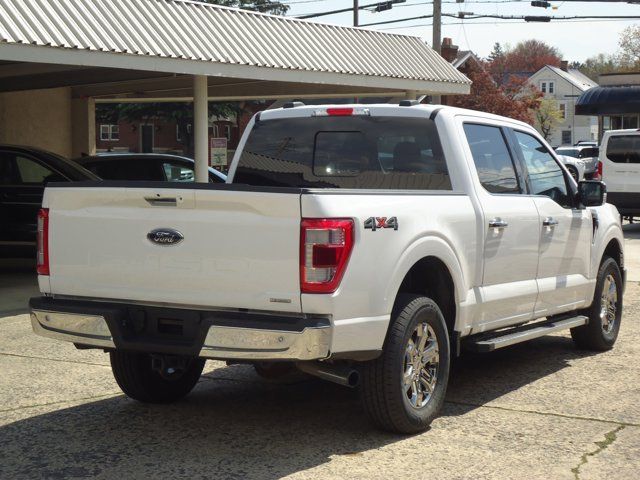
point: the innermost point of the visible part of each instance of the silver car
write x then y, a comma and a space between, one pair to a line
587, 154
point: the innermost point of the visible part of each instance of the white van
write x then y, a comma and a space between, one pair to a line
620, 169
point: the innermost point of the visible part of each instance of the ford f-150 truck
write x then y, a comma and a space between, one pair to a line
366, 245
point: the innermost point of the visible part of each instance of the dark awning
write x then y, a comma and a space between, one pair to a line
609, 101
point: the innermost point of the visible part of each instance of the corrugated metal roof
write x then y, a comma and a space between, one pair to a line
180, 29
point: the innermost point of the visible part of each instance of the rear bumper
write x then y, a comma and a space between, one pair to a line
207, 334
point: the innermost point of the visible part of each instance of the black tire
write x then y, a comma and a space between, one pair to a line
139, 380
383, 394
573, 171
596, 335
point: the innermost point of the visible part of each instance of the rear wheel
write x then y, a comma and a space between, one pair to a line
155, 378
605, 312
573, 171
403, 390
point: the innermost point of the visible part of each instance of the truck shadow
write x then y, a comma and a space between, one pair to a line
478, 379
235, 425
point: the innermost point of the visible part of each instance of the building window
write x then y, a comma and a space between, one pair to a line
179, 134
109, 133
566, 137
563, 110
630, 121
543, 87
552, 87
227, 132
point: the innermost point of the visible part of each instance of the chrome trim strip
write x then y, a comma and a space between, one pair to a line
255, 344
77, 328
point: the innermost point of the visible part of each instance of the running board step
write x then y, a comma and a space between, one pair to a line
524, 333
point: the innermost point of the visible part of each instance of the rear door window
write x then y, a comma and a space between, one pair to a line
176, 172
624, 148
589, 152
32, 172
492, 159
360, 152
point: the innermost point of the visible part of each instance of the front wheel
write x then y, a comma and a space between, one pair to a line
605, 312
403, 390
155, 378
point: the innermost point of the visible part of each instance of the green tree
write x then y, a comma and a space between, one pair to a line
592, 67
496, 53
547, 116
630, 46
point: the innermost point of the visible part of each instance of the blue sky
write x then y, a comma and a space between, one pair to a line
576, 41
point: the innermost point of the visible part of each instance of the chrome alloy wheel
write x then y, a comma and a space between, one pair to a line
420, 366
608, 304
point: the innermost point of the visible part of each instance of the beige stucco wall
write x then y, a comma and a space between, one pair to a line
38, 118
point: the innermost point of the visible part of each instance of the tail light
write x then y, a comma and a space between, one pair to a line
341, 112
43, 242
599, 171
325, 247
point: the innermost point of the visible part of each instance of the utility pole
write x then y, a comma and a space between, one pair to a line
437, 37
437, 25
356, 10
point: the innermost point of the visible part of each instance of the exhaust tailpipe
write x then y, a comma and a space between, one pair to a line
342, 375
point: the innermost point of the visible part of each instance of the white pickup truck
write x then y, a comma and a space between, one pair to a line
362, 244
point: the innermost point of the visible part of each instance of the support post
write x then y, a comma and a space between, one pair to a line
201, 127
83, 127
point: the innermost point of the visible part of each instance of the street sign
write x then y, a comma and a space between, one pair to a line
218, 155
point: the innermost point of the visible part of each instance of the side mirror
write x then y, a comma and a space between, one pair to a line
592, 193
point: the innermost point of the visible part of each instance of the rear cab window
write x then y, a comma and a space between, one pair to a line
355, 152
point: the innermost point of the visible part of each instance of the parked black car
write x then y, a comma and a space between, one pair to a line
24, 172
145, 166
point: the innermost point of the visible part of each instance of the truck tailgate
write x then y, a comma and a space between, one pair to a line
240, 248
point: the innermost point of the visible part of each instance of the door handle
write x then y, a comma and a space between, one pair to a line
162, 201
550, 222
498, 223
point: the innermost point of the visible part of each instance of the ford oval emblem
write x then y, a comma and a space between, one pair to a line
165, 236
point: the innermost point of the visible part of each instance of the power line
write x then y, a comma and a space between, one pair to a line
493, 22
527, 18
351, 9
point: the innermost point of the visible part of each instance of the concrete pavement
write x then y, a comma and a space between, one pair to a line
537, 410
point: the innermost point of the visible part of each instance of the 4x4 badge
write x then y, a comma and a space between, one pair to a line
374, 223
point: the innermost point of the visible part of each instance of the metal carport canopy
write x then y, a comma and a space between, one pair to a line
183, 37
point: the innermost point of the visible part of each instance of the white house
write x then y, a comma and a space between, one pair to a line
565, 85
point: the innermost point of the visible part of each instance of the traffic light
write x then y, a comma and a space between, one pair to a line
381, 7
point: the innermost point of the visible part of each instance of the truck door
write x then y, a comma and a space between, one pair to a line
565, 232
510, 227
